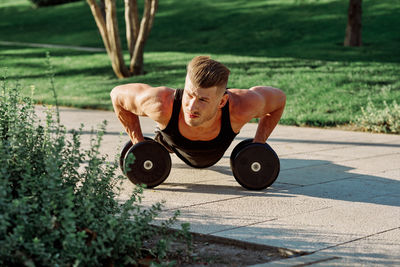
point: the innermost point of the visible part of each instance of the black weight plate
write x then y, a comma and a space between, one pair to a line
151, 166
124, 150
239, 147
256, 166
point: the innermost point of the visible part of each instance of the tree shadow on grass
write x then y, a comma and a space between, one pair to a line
265, 29
308, 30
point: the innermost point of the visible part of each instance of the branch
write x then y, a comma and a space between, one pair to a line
153, 10
114, 40
132, 24
146, 23
101, 25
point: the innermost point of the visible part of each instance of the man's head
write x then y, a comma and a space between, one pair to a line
205, 89
204, 72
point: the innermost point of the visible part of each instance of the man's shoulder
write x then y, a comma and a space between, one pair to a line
241, 107
155, 102
160, 96
160, 91
163, 101
241, 98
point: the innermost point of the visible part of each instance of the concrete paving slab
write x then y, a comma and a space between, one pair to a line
218, 216
290, 134
376, 163
362, 189
317, 172
361, 152
391, 174
337, 195
376, 250
344, 154
321, 229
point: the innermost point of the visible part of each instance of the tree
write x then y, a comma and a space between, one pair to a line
353, 29
136, 34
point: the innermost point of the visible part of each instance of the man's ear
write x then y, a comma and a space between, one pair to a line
223, 101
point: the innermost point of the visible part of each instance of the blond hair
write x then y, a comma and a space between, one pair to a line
205, 72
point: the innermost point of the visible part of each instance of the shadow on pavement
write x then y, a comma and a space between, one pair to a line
314, 178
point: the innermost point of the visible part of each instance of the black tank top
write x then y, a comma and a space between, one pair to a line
198, 154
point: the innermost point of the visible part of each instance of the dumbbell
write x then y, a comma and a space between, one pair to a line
152, 163
255, 166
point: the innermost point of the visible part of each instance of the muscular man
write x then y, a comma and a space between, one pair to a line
199, 122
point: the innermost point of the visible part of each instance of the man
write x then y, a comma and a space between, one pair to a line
199, 122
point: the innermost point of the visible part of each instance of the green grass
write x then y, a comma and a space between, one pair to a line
295, 45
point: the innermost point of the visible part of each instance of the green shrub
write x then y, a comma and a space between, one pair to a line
58, 202
386, 120
39, 3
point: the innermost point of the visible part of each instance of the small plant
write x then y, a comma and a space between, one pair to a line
386, 120
58, 202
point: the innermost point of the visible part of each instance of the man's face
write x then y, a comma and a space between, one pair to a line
200, 105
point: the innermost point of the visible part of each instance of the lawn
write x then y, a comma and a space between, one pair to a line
295, 45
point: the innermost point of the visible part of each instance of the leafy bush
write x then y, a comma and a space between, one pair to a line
39, 3
57, 201
386, 120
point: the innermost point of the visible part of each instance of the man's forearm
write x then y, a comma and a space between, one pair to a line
131, 124
267, 124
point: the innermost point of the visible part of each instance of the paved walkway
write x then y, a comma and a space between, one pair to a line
337, 195
70, 47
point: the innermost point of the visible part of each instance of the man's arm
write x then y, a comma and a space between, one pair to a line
133, 100
271, 103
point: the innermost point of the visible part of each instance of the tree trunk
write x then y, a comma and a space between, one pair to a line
136, 34
109, 34
353, 29
150, 9
132, 24
117, 59
100, 22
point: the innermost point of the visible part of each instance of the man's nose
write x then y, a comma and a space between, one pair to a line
193, 104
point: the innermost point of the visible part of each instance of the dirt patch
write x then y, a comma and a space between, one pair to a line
218, 251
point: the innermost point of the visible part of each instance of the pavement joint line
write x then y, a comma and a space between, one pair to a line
40, 45
205, 203
272, 219
369, 157
386, 195
242, 226
356, 175
342, 161
304, 167
288, 184
358, 239
313, 151
316, 261
308, 152
353, 175
388, 144
288, 140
